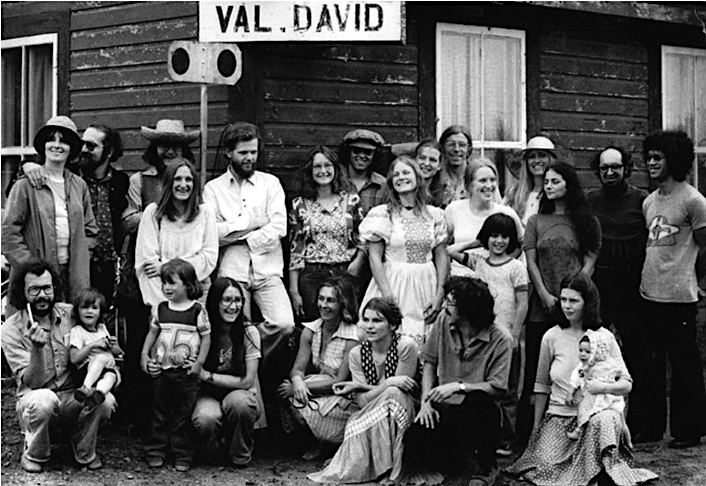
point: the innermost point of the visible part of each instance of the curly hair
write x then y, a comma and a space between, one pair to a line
346, 294
677, 148
112, 141
387, 308
86, 297
625, 158
577, 206
165, 205
591, 316
499, 224
186, 273
307, 186
421, 195
474, 302
36, 267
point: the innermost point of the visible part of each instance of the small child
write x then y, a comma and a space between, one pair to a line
507, 280
182, 334
91, 346
595, 363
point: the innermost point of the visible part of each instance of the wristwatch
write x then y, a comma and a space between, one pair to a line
462, 387
209, 378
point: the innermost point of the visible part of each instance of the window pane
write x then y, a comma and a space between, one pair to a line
679, 92
39, 87
11, 85
501, 69
10, 165
460, 65
700, 139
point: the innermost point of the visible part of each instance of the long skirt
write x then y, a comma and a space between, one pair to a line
372, 447
553, 459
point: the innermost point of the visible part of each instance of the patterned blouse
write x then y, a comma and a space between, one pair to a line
319, 235
330, 362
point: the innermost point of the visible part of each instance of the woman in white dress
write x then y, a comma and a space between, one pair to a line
407, 250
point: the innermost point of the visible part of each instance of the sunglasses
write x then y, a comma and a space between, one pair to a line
91, 146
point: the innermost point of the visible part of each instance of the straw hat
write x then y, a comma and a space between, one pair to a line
364, 139
69, 134
172, 131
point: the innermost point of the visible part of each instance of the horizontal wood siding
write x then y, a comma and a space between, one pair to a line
593, 92
119, 77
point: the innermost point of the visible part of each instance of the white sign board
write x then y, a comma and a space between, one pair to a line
300, 21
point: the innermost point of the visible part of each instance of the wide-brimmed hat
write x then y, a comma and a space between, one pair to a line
69, 134
539, 143
364, 139
171, 131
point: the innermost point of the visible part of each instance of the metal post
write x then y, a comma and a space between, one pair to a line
204, 132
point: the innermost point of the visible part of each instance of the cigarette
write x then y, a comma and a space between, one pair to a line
31, 317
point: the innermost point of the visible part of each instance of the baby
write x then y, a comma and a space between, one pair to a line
595, 363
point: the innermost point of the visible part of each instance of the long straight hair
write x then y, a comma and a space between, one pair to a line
165, 206
421, 196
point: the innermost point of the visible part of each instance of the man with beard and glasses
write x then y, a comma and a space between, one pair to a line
35, 343
251, 219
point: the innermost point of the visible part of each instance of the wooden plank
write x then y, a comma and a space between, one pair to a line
133, 140
276, 134
593, 67
129, 34
594, 104
370, 52
112, 15
347, 115
560, 83
312, 69
594, 141
333, 92
659, 11
114, 57
593, 122
561, 42
132, 76
170, 94
134, 118
12, 10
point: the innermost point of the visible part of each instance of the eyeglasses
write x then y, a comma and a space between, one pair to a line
608, 168
312, 404
656, 157
166, 147
449, 302
228, 301
453, 145
91, 146
361, 150
34, 290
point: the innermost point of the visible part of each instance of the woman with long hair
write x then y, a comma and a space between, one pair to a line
323, 225
552, 458
456, 148
382, 384
564, 238
177, 226
229, 407
428, 156
465, 217
407, 250
324, 345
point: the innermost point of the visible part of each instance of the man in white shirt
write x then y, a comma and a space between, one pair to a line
252, 218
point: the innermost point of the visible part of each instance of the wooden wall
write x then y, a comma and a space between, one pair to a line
118, 73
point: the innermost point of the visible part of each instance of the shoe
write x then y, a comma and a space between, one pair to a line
182, 466
504, 450
684, 443
483, 476
97, 397
95, 464
81, 394
29, 465
643, 437
314, 453
155, 462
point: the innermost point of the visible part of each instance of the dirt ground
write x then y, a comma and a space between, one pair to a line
124, 463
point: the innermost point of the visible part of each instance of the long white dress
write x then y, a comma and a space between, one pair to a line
409, 244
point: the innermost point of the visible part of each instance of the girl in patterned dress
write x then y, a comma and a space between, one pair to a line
407, 250
325, 344
383, 370
323, 225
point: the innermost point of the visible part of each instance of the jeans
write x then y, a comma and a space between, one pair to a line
474, 425
233, 419
175, 394
40, 409
508, 404
273, 301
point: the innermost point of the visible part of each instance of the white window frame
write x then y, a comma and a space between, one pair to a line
698, 150
480, 144
25, 147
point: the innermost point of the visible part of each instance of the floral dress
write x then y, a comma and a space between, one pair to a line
411, 273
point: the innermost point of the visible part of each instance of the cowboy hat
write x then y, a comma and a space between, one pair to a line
539, 143
171, 131
69, 134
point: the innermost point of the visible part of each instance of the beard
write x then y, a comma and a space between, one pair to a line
245, 174
46, 310
87, 164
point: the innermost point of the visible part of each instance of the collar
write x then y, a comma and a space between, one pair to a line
233, 179
483, 335
108, 176
56, 317
376, 178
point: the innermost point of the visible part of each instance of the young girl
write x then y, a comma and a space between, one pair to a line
595, 363
182, 334
508, 282
93, 347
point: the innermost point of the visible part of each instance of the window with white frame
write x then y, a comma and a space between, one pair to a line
684, 101
480, 83
29, 95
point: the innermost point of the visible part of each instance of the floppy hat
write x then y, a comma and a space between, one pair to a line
68, 131
170, 131
364, 139
539, 143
